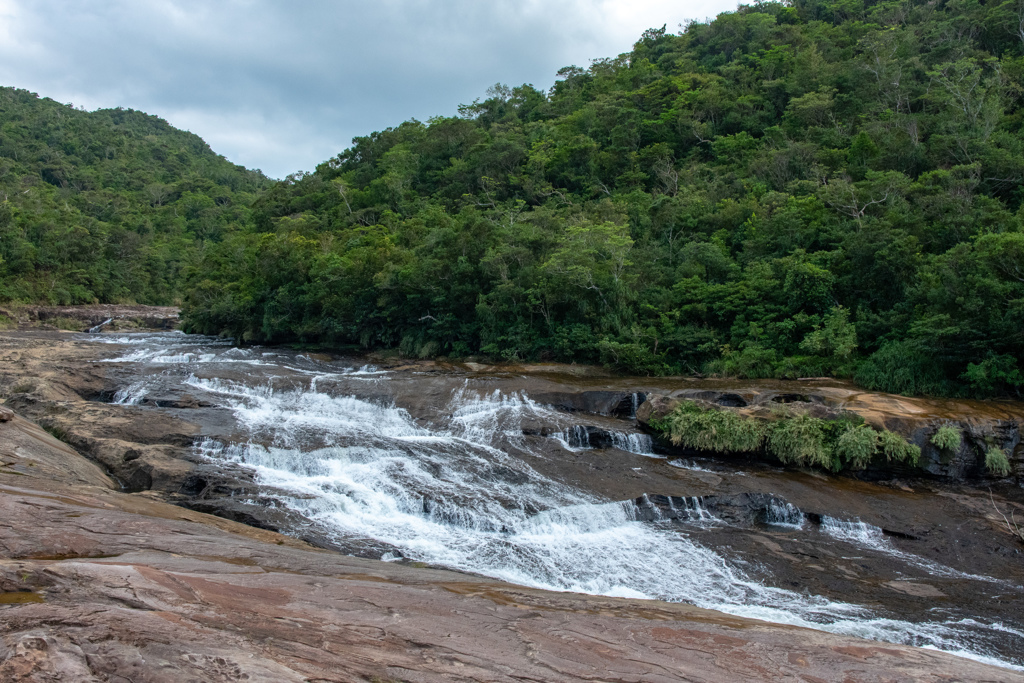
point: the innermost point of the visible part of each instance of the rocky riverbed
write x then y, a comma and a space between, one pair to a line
538, 476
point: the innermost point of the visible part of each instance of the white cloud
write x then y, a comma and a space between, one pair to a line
285, 86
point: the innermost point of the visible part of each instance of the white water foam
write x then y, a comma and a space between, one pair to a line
131, 395
98, 328
784, 514
574, 438
577, 438
460, 497
641, 444
688, 465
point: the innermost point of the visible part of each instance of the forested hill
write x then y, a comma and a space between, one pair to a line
107, 206
789, 190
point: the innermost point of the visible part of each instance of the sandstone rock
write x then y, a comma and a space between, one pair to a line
182, 596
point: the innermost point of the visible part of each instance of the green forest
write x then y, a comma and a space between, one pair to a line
815, 188
108, 206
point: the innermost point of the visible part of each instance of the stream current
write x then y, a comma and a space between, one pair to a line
449, 471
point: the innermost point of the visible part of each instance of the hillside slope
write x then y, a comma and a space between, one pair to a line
822, 188
107, 206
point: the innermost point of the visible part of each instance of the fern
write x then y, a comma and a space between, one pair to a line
895, 447
709, 429
947, 438
802, 440
856, 446
996, 461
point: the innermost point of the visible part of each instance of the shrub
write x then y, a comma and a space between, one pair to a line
996, 461
633, 358
901, 368
947, 438
856, 445
70, 324
7, 323
753, 362
802, 440
793, 439
895, 447
710, 429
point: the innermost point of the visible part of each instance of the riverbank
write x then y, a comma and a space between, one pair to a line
98, 583
143, 443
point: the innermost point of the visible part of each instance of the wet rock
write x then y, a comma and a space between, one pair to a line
106, 317
125, 587
618, 403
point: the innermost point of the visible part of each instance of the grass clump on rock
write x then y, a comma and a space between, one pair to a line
707, 429
895, 447
794, 438
996, 461
802, 440
857, 445
947, 438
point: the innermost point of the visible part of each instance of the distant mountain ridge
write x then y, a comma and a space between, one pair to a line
107, 206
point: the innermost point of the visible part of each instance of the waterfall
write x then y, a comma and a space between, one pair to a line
641, 444
98, 328
784, 514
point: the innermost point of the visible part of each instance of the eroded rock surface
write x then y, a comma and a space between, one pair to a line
141, 457
99, 585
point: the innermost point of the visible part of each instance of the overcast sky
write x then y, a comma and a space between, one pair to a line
282, 86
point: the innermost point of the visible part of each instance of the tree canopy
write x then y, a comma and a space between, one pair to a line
109, 205
822, 187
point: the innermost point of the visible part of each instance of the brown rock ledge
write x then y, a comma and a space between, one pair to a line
99, 585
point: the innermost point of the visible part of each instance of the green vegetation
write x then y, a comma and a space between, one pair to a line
707, 429
107, 206
947, 438
857, 445
996, 461
896, 448
792, 189
803, 440
72, 324
794, 438
805, 189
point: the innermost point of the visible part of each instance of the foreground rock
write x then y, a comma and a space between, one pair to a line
99, 585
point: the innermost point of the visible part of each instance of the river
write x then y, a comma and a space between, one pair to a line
472, 472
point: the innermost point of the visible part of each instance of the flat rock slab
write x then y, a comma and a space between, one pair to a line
99, 585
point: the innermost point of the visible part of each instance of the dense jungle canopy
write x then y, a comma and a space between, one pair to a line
827, 187
109, 205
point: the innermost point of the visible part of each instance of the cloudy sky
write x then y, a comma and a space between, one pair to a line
282, 86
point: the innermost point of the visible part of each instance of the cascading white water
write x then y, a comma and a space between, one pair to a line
577, 438
131, 395
641, 444
872, 537
460, 493
574, 438
784, 514
99, 328
461, 498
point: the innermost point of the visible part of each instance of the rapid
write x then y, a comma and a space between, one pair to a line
462, 472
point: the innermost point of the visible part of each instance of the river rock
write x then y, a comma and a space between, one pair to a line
101, 585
